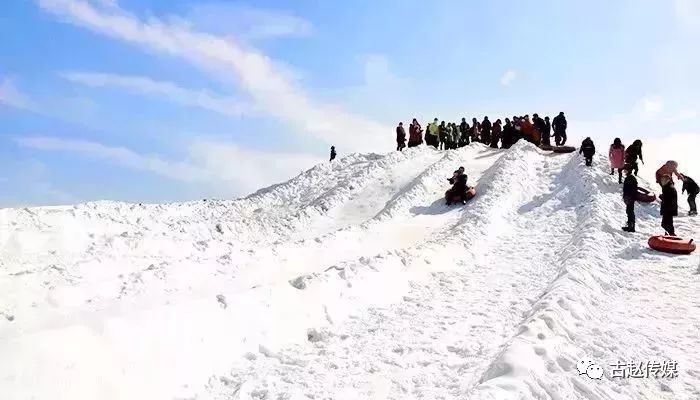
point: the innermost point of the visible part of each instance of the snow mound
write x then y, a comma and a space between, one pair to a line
352, 281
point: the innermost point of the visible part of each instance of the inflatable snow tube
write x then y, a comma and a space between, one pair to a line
645, 196
546, 147
563, 149
471, 192
672, 244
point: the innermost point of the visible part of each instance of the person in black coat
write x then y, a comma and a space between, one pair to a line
508, 135
333, 153
634, 152
559, 125
455, 175
629, 196
400, 137
459, 189
669, 204
588, 150
443, 133
546, 133
486, 131
463, 133
691, 187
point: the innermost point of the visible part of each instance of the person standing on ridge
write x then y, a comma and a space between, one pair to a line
400, 137
692, 188
486, 131
464, 133
547, 134
333, 153
455, 136
442, 135
539, 128
629, 196
559, 126
588, 150
633, 152
475, 130
496, 133
415, 137
616, 155
669, 204
431, 135
508, 135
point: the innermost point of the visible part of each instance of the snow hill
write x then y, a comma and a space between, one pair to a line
353, 281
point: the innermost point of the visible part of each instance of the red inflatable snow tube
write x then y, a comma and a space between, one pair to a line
471, 192
563, 149
645, 196
672, 244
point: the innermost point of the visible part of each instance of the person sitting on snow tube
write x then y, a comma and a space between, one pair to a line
458, 191
455, 175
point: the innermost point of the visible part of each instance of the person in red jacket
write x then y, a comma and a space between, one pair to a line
670, 168
415, 134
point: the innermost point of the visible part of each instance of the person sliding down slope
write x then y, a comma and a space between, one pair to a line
459, 190
588, 150
455, 175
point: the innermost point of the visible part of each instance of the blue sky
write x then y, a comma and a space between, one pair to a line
169, 100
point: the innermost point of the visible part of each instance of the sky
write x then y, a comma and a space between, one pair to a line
174, 100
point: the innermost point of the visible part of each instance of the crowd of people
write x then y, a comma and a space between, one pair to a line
446, 136
450, 135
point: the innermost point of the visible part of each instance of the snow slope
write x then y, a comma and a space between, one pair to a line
352, 281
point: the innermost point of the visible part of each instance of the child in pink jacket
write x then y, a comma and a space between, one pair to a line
617, 158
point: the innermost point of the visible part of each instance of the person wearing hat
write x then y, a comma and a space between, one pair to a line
588, 150
333, 154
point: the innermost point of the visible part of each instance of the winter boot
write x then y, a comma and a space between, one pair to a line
629, 228
692, 213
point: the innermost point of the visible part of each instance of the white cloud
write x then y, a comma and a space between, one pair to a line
651, 106
207, 162
168, 91
11, 96
247, 22
256, 73
509, 77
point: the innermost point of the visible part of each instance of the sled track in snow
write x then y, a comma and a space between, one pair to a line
452, 352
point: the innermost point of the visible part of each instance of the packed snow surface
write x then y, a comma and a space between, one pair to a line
354, 281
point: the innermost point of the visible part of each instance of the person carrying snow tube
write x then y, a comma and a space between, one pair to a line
634, 152
400, 137
691, 187
588, 150
669, 204
629, 196
616, 155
